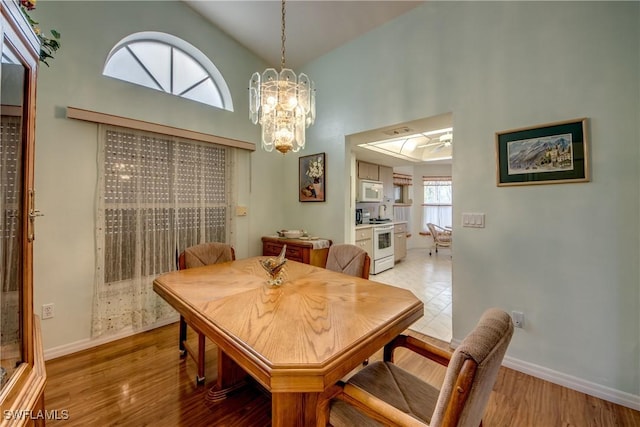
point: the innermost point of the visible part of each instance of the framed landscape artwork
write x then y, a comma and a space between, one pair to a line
552, 153
312, 178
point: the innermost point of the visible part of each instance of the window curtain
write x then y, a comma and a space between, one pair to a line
437, 207
403, 213
156, 196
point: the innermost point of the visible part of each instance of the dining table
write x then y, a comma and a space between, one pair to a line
296, 340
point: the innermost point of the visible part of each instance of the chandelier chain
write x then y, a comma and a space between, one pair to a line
283, 36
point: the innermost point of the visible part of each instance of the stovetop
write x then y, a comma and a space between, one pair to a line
379, 220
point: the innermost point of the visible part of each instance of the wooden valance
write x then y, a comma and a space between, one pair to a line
108, 119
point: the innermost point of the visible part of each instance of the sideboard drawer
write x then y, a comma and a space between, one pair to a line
297, 250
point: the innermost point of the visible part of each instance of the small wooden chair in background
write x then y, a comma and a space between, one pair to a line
198, 256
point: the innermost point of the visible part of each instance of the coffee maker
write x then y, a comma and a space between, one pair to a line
358, 216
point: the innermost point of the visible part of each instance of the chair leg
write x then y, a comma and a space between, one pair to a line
183, 337
186, 349
200, 361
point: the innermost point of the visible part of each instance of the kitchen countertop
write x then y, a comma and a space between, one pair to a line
361, 226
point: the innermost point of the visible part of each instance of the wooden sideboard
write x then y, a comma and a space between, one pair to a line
297, 250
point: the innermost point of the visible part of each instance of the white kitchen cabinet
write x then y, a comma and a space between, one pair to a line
368, 171
386, 176
364, 240
399, 241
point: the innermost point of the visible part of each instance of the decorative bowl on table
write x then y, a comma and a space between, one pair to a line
292, 234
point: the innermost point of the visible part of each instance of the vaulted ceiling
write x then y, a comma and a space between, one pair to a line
313, 28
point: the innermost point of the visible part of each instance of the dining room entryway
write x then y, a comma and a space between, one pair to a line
429, 278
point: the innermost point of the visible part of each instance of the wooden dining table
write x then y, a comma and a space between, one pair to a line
296, 340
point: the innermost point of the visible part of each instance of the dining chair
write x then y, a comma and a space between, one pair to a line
348, 259
441, 237
198, 256
385, 394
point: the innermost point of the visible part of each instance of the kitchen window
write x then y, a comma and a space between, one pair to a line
438, 199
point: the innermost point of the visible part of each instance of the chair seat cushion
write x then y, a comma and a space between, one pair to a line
444, 237
395, 386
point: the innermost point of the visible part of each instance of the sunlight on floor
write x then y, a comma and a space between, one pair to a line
429, 278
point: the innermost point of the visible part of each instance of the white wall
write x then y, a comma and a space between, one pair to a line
566, 255
65, 168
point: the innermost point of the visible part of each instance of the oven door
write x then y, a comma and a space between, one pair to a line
382, 242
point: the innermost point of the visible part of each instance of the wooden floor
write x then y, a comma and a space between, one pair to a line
141, 381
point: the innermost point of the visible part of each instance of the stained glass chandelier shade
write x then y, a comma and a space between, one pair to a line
283, 104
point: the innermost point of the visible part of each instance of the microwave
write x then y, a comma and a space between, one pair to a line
369, 191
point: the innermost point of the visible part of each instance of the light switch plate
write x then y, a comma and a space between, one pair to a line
475, 220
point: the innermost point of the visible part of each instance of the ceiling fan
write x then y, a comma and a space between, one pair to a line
444, 140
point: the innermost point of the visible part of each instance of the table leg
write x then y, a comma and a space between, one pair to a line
293, 409
231, 377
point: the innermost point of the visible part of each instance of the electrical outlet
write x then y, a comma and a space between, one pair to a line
47, 310
518, 319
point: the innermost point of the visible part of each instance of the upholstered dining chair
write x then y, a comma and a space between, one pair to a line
385, 394
348, 259
198, 256
441, 237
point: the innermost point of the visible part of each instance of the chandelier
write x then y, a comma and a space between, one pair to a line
283, 104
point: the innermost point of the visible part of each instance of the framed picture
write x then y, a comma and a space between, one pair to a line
552, 153
312, 178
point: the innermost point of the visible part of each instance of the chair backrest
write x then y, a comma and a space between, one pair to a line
440, 235
348, 259
432, 230
205, 254
474, 368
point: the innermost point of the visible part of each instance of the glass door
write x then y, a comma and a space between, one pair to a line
12, 212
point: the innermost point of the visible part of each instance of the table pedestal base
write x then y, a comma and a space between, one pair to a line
231, 378
216, 394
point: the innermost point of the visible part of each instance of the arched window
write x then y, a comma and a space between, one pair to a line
169, 64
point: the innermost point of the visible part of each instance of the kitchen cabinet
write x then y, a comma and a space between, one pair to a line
312, 252
368, 171
22, 368
364, 240
386, 176
399, 241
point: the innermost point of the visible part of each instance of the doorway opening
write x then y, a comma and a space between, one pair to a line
417, 151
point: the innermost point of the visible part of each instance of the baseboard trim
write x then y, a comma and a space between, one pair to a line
574, 383
85, 344
597, 390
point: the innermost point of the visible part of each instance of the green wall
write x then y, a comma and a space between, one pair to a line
566, 255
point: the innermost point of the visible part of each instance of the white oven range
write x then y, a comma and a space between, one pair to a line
382, 248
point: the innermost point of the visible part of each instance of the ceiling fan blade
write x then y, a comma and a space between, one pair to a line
431, 144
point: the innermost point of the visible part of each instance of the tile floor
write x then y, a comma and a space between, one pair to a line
429, 278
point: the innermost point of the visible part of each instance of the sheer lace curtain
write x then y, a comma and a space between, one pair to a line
156, 196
